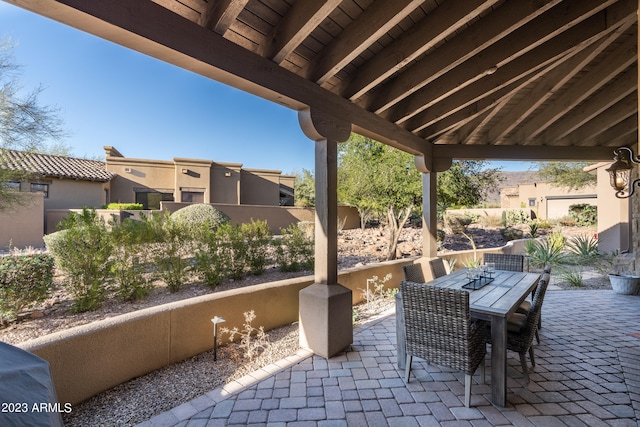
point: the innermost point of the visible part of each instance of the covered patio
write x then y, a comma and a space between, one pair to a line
587, 374
442, 80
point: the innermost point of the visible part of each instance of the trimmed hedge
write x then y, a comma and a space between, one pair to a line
24, 280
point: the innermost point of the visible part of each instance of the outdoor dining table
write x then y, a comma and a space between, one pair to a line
494, 302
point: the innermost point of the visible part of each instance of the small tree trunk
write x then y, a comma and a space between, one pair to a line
395, 225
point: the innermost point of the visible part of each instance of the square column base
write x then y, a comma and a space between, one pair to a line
326, 320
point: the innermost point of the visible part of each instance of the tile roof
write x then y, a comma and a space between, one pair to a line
47, 165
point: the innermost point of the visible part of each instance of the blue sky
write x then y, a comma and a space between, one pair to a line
109, 95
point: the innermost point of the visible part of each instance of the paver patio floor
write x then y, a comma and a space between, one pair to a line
587, 373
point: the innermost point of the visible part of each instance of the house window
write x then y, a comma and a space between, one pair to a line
11, 185
192, 197
40, 188
532, 202
151, 200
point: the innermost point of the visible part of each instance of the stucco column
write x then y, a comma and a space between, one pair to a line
325, 306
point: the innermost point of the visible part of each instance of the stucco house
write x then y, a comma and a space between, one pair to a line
65, 182
194, 181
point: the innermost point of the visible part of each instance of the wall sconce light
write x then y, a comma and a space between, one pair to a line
185, 171
227, 174
620, 172
216, 320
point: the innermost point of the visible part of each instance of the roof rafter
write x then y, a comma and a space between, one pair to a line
220, 14
354, 39
430, 31
297, 24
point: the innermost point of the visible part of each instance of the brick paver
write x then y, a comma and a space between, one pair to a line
587, 373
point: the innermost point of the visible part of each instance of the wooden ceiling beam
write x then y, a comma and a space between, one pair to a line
610, 136
524, 69
489, 37
509, 64
624, 85
303, 17
373, 23
589, 83
220, 14
520, 152
442, 22
594, 127
544, 89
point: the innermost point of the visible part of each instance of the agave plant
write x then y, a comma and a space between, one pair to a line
584, 247
547, 251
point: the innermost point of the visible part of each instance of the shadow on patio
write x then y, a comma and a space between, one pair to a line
587, 373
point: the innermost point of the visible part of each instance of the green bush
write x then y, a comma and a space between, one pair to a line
211, 256
514, 217
24, 280
257, 236
82, 251
128, 264
294, 251
192, 217
458, 223
585, 215
232, 240
170, 250
124, 206
510, 233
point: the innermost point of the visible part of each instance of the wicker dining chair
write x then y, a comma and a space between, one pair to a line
413, 273
525, 306
509, 262
439, 329
438, 267
522, 328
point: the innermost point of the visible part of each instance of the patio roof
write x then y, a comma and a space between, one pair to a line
465, 79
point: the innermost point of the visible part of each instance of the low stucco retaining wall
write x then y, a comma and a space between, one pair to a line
89, 359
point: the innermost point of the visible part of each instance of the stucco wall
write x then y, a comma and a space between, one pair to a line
139, 174
23, 225
225, 183
89, 359
259, 187
69, 194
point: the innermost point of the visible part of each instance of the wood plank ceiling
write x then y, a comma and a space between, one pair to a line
518, 79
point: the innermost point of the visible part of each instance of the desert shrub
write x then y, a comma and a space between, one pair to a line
294, 251
24, 280
567, 221
257, 236
533, 229
253, 341
574, 277
491, 220
170, 251
584, 247
544, 224
128, 262
82, 251
211, 256
124, 206
515, 217
232, 240
308, 228
458, 223
549, 251
511, 233
585, 215
191, 217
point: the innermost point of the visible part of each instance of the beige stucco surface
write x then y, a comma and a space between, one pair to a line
22, 225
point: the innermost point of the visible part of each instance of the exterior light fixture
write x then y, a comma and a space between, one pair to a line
620, 172
216, 320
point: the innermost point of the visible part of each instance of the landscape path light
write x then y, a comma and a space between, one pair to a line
216, 320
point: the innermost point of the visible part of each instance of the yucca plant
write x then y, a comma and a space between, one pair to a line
583, 247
